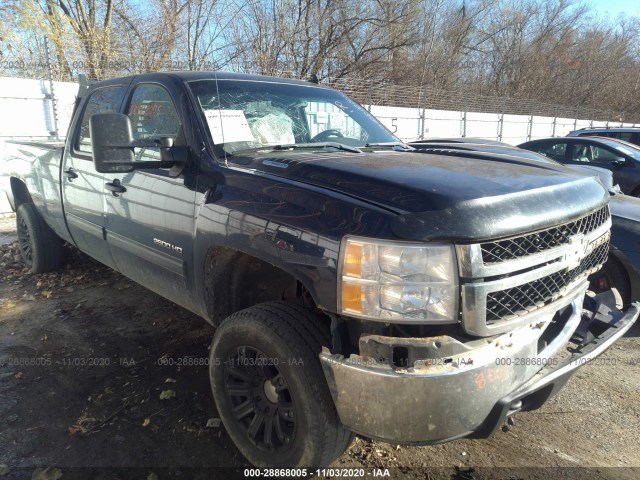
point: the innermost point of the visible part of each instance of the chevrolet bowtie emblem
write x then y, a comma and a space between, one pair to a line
579, 248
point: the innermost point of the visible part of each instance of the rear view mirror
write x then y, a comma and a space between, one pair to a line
112, 144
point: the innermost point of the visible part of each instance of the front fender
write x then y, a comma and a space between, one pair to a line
295, 227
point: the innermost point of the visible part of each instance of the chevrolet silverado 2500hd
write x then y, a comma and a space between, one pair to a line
356, 285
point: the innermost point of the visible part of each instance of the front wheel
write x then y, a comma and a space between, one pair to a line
40, 247
269, 388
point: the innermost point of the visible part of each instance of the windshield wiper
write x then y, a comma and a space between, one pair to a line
336, 145
398, 146
294, 146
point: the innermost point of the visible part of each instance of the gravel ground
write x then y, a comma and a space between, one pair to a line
7, 228
86, 355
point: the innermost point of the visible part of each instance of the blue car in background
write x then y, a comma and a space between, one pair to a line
619, 157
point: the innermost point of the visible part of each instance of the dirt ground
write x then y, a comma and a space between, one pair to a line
100, 378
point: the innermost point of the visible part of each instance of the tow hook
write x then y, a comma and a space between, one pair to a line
466, 473
509, 423
511, 416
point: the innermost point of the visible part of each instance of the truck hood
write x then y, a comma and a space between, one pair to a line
605, 176
464, 198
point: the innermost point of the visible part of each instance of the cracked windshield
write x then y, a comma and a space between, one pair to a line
257, 117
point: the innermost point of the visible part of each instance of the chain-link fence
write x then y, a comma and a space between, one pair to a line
427, 97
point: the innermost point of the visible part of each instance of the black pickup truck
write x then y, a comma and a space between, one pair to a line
357, 285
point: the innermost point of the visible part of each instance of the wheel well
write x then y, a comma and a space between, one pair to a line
618, 276
630, 274
235, 280
20, 193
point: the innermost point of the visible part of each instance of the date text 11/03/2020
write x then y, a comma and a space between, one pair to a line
238, 361
319, 472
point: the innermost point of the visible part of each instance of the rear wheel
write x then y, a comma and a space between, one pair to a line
40, 247
269, 388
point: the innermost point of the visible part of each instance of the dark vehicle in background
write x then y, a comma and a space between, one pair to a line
626, 134
460, 140
622, 269
355, 285
453, 146
621, 158
470, 144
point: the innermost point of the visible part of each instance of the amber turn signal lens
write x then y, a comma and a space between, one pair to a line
353, 260
352, 296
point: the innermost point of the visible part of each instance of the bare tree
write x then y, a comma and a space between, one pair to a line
148, 37
91, 22
205, 24
320, 38
554, 51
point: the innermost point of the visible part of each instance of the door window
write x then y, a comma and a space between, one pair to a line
103, 100
581, 152
626, 136
603, 155
153, 116
555, 151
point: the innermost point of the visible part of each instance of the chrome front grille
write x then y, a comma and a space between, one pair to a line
535, 270
525, 245
520, 300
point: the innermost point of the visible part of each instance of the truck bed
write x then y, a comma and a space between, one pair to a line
17, 158
45, 144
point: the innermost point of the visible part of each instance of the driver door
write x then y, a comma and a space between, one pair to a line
622, 167
149, 221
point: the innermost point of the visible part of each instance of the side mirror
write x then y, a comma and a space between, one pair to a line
112, 145
619, 162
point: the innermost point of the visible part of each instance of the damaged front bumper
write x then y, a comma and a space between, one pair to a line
470, 388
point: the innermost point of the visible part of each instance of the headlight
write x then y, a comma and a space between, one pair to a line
398, 282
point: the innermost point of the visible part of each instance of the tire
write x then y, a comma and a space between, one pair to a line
270, 389
40, 247
613, 275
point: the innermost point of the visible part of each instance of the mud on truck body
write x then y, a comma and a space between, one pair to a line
357, 285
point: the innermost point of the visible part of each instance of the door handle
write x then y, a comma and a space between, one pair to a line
115, 187
70, 174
